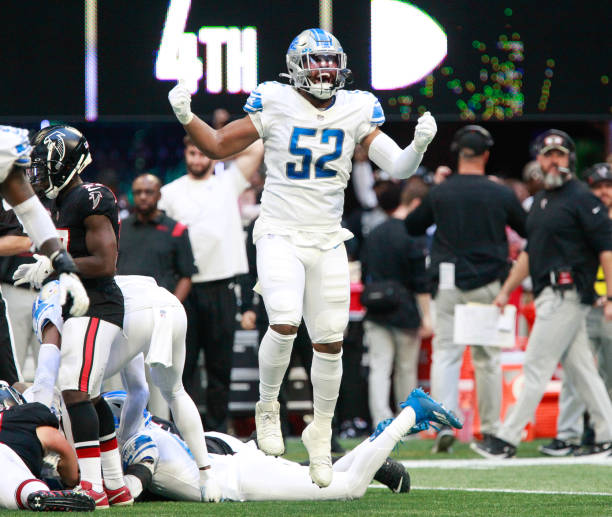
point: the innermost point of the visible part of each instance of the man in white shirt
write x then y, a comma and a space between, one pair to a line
207, 202
310, 128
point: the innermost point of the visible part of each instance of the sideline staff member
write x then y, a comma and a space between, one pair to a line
570, 426
569, 233
471, 213
153, 244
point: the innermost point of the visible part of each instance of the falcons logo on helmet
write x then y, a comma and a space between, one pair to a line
55, 143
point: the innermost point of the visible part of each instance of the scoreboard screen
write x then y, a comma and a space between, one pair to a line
114, 60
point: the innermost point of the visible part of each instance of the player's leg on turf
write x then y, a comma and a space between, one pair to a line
17, 480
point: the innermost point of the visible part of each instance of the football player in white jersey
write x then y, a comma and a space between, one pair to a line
309, 128
156, 459
154, 319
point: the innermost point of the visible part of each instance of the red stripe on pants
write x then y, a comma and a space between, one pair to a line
90, 340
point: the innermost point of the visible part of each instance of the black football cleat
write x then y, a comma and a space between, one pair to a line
393, 475
60, 501
494, 448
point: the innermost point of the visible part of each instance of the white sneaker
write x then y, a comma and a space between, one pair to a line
267, 422
318, 445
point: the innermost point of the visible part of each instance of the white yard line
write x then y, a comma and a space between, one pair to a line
605, 461
503, 490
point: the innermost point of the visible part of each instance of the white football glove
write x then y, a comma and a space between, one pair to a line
209, 488
35, 273
70, 284
180, 100
424, 132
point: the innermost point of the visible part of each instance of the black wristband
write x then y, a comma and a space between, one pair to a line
63, 263
609, 298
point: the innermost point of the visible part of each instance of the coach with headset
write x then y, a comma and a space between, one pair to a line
469, 258
569, 234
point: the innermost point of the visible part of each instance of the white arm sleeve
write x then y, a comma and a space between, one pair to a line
36, 221
385, 153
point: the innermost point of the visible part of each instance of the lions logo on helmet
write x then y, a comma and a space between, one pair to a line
59, 152
317, 63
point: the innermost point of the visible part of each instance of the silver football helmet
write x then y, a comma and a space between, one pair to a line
116, 400
317, 63
9, 396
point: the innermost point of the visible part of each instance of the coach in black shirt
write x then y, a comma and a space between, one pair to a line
569, 232
471, 250
153, 244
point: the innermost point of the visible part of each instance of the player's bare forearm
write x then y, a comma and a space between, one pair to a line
219, 144
183, 286
52, 440
14, 245
518, 273
102, 246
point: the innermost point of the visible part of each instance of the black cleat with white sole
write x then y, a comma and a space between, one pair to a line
60, 501
494, 448
393, 475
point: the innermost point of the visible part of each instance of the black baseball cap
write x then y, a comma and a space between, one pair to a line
473, 137
598, 173
554, 139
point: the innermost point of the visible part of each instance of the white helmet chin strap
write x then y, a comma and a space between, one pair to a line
53, 191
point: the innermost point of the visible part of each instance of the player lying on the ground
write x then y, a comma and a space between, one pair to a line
27, 433
154, 319
157, 460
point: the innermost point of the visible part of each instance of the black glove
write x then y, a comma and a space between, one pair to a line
63, 262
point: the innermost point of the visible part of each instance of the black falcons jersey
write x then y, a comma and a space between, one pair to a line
75, 206
18, 430
70, 212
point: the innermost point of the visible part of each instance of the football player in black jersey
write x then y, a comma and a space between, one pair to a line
15, 151
87, 218
27, 433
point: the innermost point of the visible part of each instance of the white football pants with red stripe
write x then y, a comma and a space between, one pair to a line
86, 345
17, 480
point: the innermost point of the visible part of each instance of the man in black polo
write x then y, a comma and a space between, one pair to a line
569, 235
469, 257
153, 244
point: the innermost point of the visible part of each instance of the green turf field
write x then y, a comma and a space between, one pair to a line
460, 484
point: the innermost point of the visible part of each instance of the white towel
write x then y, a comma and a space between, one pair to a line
160, 350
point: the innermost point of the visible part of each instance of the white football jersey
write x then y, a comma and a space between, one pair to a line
308, 153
